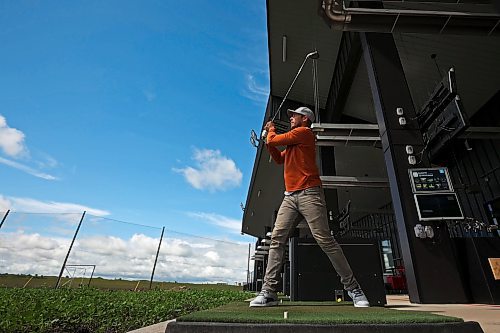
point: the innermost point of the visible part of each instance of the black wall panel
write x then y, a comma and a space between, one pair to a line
314, 279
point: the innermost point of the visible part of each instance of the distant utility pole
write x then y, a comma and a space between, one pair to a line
69, 251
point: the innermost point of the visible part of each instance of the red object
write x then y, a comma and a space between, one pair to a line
397, 282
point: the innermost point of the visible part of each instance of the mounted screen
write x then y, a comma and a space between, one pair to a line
430, 180
438, 206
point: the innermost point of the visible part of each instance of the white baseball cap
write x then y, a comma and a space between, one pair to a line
303, 110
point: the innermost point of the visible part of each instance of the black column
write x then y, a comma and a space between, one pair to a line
431, 266
327, 164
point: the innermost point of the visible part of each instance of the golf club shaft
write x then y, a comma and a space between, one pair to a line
312, 54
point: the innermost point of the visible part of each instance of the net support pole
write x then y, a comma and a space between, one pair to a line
4, 218
91, 275
248, 265
69, 251
156, 258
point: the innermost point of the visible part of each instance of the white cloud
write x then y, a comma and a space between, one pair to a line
177, 247
12, 144
31, 253
212, 171
212, 256
11, 140
254, 69
27, 169
209, 261
255, 91
47, 162
104, 245
186, 260
38, 206
37, 244
4, 204
233, 225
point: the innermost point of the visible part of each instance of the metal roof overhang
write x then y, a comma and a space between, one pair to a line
300, 23
306, 30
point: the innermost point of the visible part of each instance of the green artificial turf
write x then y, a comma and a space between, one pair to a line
313, 313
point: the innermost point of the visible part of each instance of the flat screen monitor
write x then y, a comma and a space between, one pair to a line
438, 206
430, 180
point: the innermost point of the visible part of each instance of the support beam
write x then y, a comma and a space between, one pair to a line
369, 135
346, 134
481, 133
431, 268
345, 181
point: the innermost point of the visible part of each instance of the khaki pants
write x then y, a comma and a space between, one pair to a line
309, 204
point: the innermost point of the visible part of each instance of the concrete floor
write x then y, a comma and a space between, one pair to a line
156, 328
488, 316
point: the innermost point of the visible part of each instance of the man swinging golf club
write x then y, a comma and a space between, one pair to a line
304, 199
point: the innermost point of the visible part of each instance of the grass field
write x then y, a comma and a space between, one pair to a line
31, 304
29, 281
89, 310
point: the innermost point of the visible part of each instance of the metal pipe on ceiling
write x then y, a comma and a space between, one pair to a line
335, 11
453, 20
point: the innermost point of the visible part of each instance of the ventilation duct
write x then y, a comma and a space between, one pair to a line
418, 17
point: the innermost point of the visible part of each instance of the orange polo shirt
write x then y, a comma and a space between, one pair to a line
299, 157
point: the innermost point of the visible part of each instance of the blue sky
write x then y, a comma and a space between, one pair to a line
135, 110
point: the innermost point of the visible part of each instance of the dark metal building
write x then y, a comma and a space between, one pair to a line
436, 65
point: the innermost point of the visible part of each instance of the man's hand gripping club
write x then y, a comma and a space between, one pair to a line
266, 129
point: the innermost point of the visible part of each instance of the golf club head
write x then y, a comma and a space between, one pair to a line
313, 55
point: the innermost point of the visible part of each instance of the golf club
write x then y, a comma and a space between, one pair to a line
312, 55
